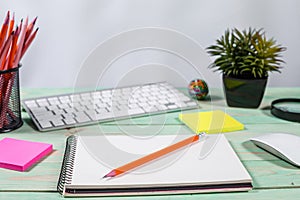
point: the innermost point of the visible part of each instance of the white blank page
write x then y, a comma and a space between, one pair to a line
183, 167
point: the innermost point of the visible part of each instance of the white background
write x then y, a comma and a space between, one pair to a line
71, 29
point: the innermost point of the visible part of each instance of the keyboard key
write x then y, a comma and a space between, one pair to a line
85, 96
172, 106
163, 102
161, 107
45, 124
105, 116
39, 110
52, 107
150, 109
80, 108
136, 111
81, 117
69, 121
192, 103
121, 113
101, 110
58, 112
63, 106
57, 122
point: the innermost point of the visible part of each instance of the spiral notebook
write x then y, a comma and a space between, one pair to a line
88, 158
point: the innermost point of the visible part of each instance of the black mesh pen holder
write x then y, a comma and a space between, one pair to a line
10, 108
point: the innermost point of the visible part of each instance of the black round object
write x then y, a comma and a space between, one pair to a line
288, 109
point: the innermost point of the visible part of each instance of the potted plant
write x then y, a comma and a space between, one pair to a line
245, 58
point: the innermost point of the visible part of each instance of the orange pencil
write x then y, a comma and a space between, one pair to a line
13, 48
151, 157
4, 31
30, 28
23, 28
4, 52
28, 42
11, 24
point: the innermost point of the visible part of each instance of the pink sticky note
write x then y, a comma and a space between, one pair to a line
21, 154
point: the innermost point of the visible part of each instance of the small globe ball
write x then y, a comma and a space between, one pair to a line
198, 89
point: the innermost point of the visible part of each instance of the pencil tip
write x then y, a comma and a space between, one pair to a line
34, 20
26, 21
110, 174
7, 18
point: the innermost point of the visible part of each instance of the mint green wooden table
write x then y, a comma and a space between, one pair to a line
272, 177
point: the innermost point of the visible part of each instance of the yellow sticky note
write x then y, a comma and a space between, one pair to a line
211, 122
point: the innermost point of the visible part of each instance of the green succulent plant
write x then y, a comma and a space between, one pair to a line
246, 54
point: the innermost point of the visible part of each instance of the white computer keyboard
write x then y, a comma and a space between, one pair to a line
76, 109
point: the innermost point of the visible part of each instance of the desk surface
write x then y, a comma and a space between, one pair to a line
272, 177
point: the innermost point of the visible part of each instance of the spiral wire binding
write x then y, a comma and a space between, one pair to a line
66, 172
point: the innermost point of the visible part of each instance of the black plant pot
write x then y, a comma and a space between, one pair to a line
244, 93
